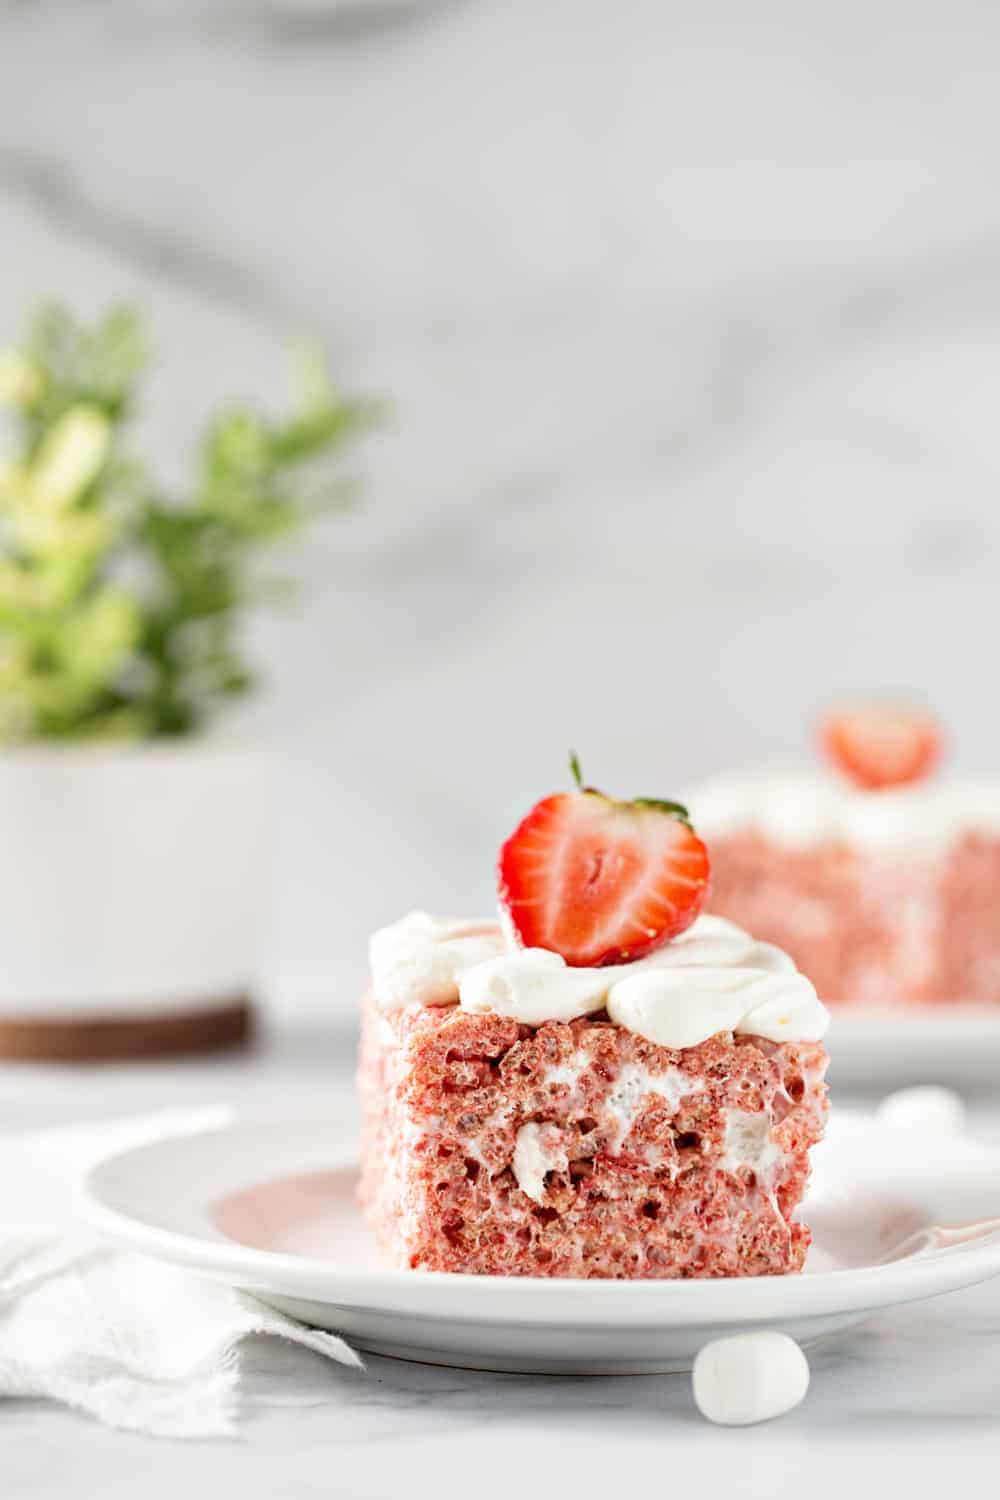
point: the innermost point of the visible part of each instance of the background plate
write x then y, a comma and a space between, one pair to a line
953, 1044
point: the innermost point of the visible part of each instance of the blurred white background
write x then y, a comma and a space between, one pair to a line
689, 318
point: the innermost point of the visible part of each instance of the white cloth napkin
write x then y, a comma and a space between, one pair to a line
135, 1342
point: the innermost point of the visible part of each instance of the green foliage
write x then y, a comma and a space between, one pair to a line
120, 605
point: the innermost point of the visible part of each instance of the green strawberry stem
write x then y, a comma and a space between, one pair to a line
675, 809
658, 804
574, 765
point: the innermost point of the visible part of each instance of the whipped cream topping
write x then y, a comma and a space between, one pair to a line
801, 810
533, 985
417, 960
713, 977
684, 1007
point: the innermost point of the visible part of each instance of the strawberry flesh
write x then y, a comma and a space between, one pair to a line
882, 746
600, 881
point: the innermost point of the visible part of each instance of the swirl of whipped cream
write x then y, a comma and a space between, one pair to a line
714, 977
417, 960
535, 985
684, 1007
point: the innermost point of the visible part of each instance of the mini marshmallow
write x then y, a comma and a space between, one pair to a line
926, 1107
749, 1378
537, 1150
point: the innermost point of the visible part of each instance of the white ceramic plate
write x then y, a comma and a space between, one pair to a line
957, 1044
269, 1208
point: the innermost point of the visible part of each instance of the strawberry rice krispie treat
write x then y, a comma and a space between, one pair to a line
603, 1084
883, 885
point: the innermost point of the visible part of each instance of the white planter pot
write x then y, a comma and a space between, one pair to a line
134, 887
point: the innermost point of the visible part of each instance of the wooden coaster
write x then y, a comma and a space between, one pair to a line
228, 1023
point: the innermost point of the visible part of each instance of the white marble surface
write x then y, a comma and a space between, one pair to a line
899, 1408
905, 1403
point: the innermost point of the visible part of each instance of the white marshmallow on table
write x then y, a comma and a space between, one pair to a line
925, 1107
750, 1377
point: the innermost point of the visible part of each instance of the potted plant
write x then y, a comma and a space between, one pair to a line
134, 838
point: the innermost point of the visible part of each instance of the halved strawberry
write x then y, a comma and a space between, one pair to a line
881, 745
600, 881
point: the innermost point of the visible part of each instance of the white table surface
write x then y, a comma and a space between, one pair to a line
909, 1401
